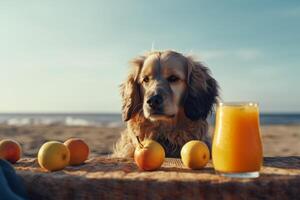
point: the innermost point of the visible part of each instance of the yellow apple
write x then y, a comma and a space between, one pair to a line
53, 156
149, 155
10, 150
195, 154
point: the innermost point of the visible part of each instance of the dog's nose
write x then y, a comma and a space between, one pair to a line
155, 101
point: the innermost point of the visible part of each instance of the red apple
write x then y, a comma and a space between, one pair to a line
79, 150
10, 150
149, 155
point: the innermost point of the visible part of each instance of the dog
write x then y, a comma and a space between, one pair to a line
166, 97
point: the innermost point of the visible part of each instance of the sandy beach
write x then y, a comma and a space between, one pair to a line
278, 140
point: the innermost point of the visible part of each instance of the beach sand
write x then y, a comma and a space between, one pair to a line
278, 140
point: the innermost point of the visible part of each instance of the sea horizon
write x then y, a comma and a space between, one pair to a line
114, 119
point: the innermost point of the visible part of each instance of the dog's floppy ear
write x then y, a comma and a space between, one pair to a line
202, 91
130, 90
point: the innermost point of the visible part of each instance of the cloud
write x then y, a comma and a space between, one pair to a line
242, 54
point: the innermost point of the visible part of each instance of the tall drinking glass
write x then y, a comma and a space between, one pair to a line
237, 147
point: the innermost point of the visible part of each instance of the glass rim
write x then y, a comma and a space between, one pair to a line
238, 103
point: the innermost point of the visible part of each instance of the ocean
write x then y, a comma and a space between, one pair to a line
110, 120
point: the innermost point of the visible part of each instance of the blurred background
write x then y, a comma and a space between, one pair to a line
61, 63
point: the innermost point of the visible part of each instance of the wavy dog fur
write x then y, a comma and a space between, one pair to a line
190, 121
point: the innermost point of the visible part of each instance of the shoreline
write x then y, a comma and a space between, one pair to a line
278, 140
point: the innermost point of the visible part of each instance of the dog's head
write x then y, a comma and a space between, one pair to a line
161, 84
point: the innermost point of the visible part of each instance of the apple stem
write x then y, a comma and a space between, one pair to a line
139, 141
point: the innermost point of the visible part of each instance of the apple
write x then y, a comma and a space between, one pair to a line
10, 150
149, 155
79, 150
195, 154
53, 156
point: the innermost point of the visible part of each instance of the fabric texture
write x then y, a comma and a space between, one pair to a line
11, 186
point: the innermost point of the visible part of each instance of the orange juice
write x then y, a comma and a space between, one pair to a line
237, 146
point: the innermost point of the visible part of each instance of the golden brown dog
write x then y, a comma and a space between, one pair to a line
167, 97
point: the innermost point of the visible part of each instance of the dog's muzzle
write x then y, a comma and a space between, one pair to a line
156, 103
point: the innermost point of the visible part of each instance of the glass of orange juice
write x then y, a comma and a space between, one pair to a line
237, 147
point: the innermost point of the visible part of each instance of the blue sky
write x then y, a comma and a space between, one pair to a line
70, 56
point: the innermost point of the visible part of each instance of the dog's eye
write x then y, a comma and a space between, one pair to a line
173, 79
146, 79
